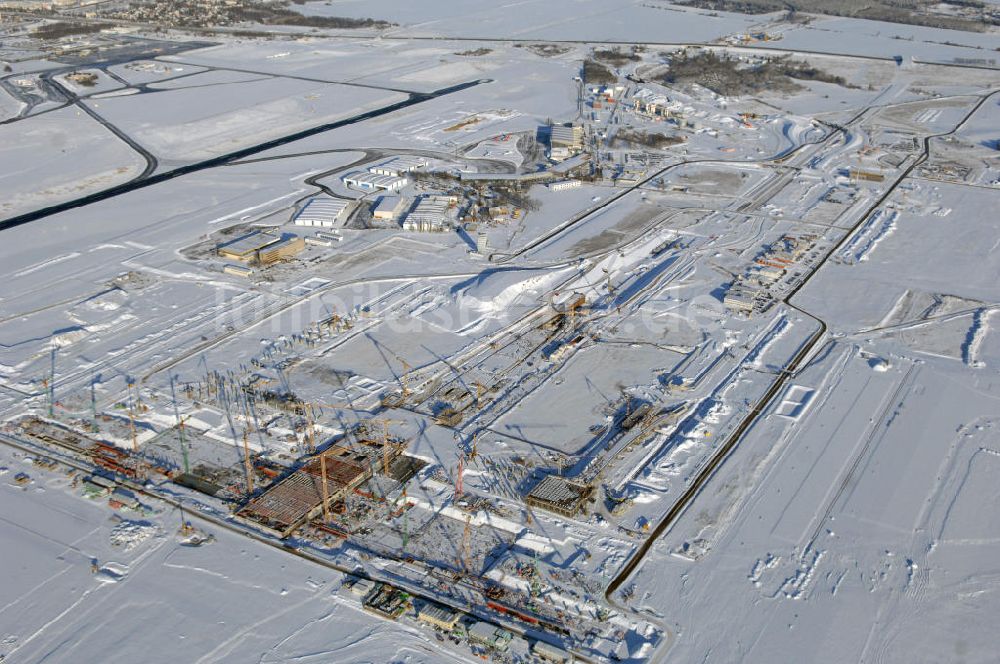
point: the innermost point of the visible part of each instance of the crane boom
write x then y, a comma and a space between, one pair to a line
247, 464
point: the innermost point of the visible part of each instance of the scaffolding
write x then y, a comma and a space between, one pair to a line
308, 491
559, 495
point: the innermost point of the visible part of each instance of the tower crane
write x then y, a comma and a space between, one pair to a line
247, 464
310, 413
466, 543
394, 400
177, 415
93, 406
404, 378
458, 477
384, 440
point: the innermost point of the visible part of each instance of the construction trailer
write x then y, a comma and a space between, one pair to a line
559, 495
298, 497
330, 237
563, 185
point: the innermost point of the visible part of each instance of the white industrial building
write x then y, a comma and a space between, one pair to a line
388, 208
372, 182
323, 212
565, 141
399, 166
429, 215
740, 298
568, 137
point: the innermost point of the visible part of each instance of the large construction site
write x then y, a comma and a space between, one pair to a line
476, 368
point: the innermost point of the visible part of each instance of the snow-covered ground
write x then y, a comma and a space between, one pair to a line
209, 114
591, 20
58, 156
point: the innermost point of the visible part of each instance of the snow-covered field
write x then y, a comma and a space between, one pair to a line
591, 20
183, 121
9, 106
816, 550
58, 156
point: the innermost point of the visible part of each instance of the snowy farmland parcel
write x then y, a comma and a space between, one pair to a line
555, 331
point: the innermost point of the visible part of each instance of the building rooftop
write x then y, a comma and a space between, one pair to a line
403, 164
483, 631
289, 502
388, 204
249, 243
571, 136
373, 180
321, 210
558, 494
439, 613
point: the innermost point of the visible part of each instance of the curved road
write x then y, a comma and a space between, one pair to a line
225, 159
74, 99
